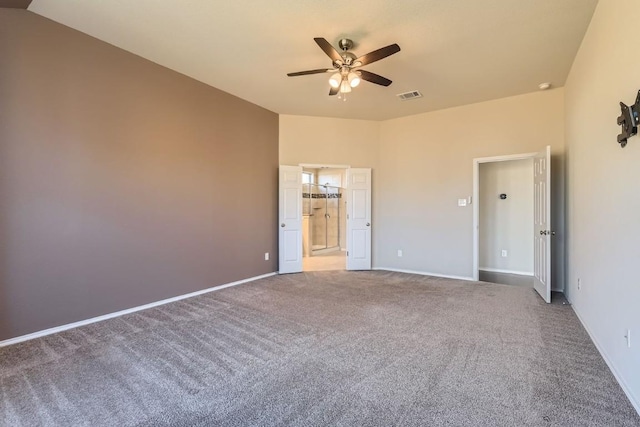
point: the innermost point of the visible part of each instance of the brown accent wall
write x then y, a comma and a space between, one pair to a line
121, 182
17, 4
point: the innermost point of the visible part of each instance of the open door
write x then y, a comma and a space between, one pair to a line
290, 216
358, 219
542, 224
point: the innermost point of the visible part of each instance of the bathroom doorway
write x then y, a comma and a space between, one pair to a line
324, 218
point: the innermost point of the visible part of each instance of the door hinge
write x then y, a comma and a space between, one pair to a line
347, 253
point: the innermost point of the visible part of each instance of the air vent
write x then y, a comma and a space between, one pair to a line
409, 95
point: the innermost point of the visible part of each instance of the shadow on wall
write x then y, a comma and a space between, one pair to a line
4, 279
557, 222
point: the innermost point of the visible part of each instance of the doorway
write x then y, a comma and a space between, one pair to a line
356, 214
539, 228
324, 218
505, 202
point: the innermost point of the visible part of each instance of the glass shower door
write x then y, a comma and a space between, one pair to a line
333, 217
319, 220
325, 217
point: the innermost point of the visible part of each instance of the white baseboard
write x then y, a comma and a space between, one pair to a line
68, 326
498, 270
424, 273
635, 401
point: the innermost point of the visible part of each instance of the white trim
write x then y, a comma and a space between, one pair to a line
476, 200
425, 273
506, 158
68, 326
322, 166
498, 270
635, 402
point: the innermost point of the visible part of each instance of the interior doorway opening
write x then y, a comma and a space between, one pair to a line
539, 228
324, 218
506, 222
357, 216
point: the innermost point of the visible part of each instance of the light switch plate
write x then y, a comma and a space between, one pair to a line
462, 202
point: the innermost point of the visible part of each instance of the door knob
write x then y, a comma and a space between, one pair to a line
368, 224
543, 232
282, 225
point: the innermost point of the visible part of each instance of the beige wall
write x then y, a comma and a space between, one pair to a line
328, 141
506, 224
121, 182
422, 164
604, 188
426, 165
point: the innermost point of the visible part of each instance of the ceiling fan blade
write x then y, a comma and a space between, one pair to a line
377, 55
328, 49
304, 73
333, 91
374, 78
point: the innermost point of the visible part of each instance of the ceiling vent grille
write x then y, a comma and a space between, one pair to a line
409, 95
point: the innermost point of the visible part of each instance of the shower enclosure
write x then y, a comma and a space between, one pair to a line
322, 204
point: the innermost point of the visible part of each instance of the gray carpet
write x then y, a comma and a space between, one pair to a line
324, 348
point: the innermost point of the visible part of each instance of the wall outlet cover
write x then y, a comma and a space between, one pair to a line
266, 256
399, 253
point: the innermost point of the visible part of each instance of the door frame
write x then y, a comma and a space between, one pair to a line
323, 165
476, 200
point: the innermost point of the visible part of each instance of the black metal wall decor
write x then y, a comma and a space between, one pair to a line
629, 121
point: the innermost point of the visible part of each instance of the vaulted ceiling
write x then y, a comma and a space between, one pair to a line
455, 52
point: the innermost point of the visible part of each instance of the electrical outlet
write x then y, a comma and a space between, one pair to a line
399, 253
504, 253
266, 256
579, 283
628, 337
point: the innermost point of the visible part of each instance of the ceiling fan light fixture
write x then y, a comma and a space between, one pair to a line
345, 87
335, 80
354, 79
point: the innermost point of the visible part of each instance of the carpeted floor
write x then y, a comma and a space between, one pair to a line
322, 348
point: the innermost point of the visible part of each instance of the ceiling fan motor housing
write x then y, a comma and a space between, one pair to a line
345, 44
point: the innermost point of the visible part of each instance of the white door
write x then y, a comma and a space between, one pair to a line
542, 224
359, 219
290, 220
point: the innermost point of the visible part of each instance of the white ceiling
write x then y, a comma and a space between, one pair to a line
455, 52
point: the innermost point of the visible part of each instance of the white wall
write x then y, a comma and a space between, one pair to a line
506, 224
426, 164
330, 176
604, 188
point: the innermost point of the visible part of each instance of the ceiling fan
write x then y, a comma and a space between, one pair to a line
346, 66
